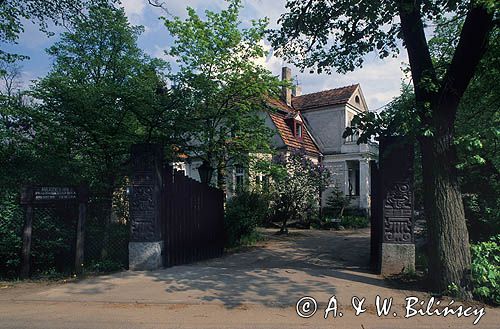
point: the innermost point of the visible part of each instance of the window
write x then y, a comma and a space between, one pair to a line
262, 182
298, 130
239, 178
357, 100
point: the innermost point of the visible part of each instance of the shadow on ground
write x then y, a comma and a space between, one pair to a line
276, 272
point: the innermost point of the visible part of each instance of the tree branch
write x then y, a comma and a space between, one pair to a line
471, 47
421, 65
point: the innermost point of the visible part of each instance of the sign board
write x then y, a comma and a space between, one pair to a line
52, 194
49, 194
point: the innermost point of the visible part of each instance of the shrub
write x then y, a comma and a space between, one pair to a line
336, 203
53, 240
11, 223
105, 266
297, 182
243, 213
355, 222
486, 270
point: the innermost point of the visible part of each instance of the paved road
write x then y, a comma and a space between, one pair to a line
255, 288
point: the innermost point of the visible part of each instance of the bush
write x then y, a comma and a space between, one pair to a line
53, 240
243, 213
336, 204
11, 223
486, 270
355, 222
105, 266
483, 216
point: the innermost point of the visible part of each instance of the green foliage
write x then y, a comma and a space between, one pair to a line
486, 270
336, 203
297, 182
52, 242
11, 222
355, 222
104, 266
227, 89
399, 118
243, 213
52, 239
15, 13
336, 35
476, 132
100, 97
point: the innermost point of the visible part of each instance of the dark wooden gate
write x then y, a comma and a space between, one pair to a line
192, 219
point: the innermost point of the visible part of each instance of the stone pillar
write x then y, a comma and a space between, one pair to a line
398, 244
146, 244
364, 185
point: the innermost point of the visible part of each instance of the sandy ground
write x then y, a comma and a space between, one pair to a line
255, 288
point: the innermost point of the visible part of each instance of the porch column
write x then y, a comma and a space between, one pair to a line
346, 178
146, 244
364, 185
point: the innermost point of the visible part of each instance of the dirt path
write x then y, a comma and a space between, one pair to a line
255, 288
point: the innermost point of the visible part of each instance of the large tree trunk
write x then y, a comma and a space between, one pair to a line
449, 254
449, 258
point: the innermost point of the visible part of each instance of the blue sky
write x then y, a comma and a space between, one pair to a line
379, 79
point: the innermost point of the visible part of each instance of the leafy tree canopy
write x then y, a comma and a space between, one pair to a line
99, 95
319, 35
15, 13
217, 60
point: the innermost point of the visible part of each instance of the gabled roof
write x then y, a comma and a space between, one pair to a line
280, 117
335, 96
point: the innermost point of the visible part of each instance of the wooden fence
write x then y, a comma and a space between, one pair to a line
192, 217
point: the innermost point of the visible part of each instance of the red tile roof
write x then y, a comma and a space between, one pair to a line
280, 117
280, 105
324, 98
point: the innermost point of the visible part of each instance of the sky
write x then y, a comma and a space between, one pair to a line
380, 80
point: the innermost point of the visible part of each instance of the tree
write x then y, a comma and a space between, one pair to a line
337, 202
322, 35
14, 14
297, 186
102, 95
227, 88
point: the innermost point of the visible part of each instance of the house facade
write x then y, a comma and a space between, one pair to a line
319, 120
315, 122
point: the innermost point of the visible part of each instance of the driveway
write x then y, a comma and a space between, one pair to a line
254, 288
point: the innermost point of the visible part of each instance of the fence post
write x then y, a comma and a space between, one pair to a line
146, 244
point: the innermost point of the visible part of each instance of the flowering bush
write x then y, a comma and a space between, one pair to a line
297, 182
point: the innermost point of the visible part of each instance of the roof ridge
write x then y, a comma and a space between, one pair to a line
322, 91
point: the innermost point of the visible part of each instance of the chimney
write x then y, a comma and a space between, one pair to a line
286, 75
296, 91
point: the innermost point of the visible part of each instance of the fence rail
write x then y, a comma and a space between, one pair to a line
192, 219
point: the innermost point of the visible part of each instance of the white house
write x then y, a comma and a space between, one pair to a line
319, 122
315, 122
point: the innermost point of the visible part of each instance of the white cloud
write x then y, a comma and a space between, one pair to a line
134, 9
159, 52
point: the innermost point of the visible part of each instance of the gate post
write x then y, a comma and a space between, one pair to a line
396, 173
146, 244
83, 197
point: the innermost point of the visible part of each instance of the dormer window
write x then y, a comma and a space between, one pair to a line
298, 130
